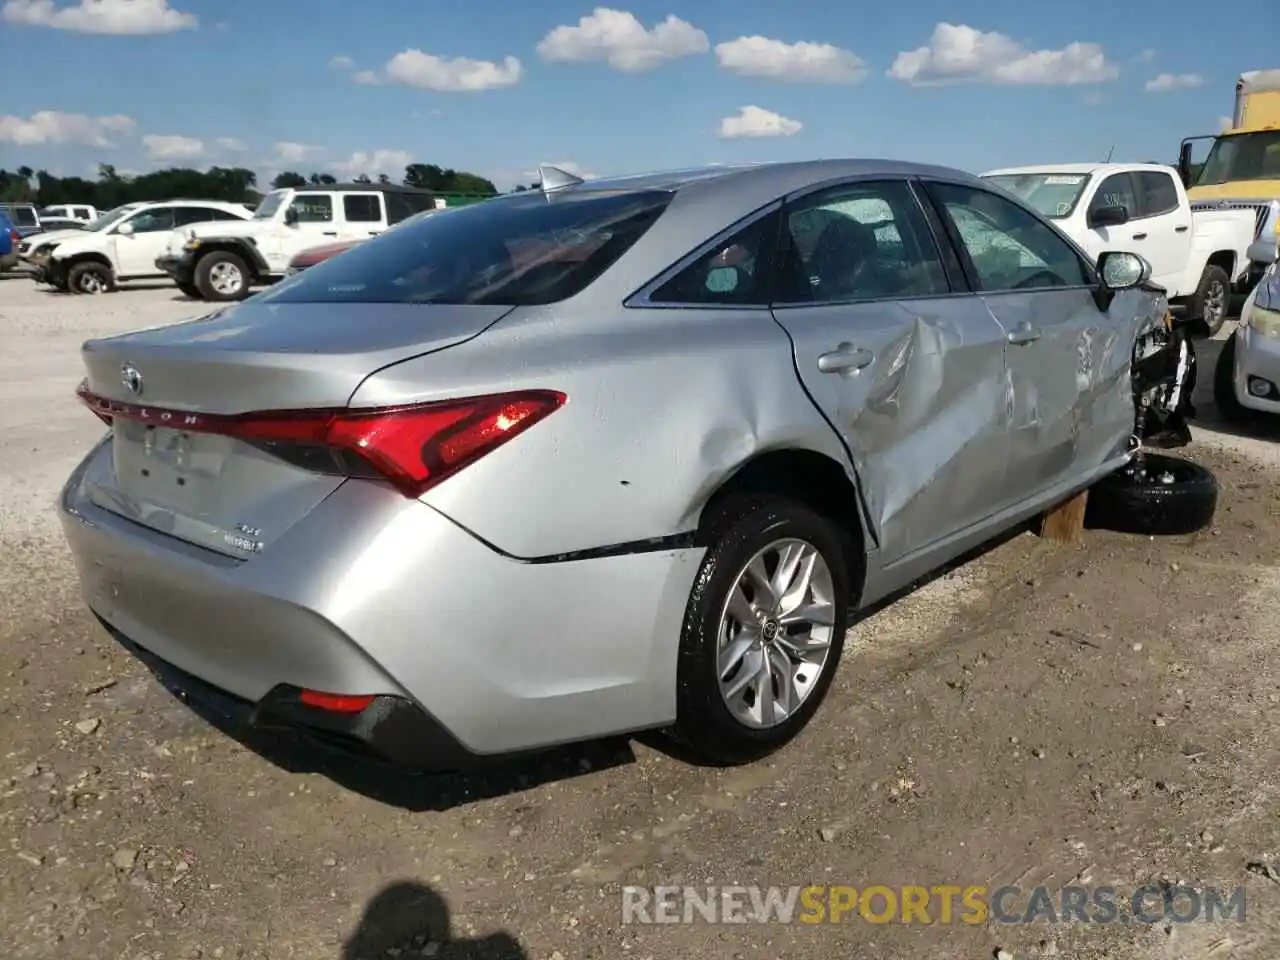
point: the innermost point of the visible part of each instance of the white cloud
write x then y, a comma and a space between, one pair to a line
1174, 81
620, 40
115, 17
390, 162
368, 77
342, 62
801, 62
413, 68
1146, 56
958, 54
172, 147
756, 122
290, 152
230, 144
49, 126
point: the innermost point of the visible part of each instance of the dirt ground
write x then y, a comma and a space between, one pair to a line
1097, 714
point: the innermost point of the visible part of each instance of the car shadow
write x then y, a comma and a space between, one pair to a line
420, 792
410, 919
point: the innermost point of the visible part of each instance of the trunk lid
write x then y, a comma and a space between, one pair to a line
220, 492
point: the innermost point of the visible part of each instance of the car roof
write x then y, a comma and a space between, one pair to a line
1082, 168
362, 188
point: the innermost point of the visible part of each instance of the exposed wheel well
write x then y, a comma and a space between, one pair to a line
97, 258
1224, 259
807, 477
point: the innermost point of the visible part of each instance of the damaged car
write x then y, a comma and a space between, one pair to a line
604, 456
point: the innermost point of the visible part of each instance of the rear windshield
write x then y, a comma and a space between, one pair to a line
23, 216
521, 250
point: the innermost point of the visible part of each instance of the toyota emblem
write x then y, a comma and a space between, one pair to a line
131, 378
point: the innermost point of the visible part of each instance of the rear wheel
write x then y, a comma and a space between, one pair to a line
1156, 495
1212, 299
222, 275
763, 631
90, 278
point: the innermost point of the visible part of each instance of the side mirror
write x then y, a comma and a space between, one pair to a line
1184, 163
291, 216
1123, 271
125, 229
1114, 215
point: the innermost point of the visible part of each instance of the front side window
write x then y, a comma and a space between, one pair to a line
733, 273
1116, 191
152, 221
1242, 156
862, 241
1052, 195
313, 207
520, 250
1009, 249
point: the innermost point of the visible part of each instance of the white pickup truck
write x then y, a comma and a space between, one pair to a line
1142, 208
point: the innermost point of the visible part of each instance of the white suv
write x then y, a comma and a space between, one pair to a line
221, 261
124, 246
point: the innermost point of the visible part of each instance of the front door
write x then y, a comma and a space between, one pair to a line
136, 251
908, 368
1064, 371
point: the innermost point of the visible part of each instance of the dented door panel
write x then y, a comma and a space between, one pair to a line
924, 419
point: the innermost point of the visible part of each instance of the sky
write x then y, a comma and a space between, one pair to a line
499, 88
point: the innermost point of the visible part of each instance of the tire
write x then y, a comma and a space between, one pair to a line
742, 530
90, 278
1224, 387
222, 276
1214, 296
189, 290
1154, 495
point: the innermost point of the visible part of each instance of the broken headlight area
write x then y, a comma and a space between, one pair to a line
1164, 376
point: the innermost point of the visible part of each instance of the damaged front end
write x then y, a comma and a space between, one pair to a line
1164, 377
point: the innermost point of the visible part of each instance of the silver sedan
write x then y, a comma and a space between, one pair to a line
601, 457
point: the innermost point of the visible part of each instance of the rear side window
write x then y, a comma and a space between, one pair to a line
184, 216
362, 208
520, 250
23, 216
1158, 193
398, 207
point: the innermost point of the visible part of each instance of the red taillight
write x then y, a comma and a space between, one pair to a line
335, 702
414, 447
15, 236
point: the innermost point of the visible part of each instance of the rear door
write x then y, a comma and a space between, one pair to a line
363, 216
1041, 290
903, 361
1162, 233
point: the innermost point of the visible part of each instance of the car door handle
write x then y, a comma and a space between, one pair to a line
845, 358
329, 233
1023, 334
1182, 229
1139, 236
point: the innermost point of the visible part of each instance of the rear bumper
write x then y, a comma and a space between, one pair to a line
1257, 357
373, 594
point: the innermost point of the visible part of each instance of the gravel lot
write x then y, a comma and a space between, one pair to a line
1099, 713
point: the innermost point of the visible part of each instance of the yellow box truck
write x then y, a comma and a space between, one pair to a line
1242, 169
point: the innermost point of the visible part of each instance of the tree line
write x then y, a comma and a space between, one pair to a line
233, 184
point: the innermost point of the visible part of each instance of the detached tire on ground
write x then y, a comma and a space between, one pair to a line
222, 276
1212, 299
90, 278
763, 630
1156, 495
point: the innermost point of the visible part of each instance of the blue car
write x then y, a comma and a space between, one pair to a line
8, 243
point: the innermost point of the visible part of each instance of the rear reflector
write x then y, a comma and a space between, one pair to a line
335, 702
414, 447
